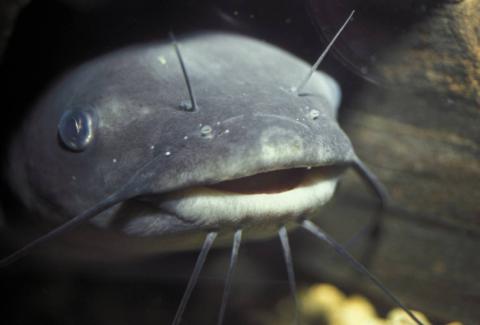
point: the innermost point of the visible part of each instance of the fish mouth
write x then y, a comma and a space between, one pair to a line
278, 195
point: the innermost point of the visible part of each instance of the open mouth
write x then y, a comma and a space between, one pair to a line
264, 183
280, 194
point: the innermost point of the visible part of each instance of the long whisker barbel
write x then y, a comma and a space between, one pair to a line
184, 71
340, 250
237, 238
282, 233
207, 245
55, 232
372, 181
322, 56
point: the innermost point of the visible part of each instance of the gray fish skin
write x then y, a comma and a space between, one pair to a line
243, 91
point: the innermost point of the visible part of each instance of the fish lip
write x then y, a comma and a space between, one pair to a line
322, 179
330, 170
334, 169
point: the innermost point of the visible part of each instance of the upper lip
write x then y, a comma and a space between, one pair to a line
275, 181
263, 182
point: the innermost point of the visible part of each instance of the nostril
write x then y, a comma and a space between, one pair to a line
186, 105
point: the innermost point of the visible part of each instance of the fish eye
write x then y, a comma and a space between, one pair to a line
75, 130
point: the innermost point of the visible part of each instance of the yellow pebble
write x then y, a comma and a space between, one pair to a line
398, 316
355, 310
321, 299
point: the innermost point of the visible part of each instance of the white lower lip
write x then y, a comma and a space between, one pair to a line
212, 207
